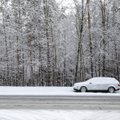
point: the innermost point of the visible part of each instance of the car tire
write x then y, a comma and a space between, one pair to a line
83, 89
111, 89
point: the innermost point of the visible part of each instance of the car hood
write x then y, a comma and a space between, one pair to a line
80, 83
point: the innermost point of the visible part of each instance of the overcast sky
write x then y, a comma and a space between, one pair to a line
65, 2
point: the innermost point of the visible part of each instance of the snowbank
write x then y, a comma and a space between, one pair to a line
58, 115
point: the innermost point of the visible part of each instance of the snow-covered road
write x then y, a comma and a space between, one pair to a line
7, 99
60, 102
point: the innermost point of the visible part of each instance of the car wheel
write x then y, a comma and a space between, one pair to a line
83, 89
111, 90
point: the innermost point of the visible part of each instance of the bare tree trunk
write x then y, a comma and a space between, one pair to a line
79, 26
40, 78
64, 69
6, 81
46, 13
103, 11
54, 57
19, 35
40, 81
90, 39
115, 43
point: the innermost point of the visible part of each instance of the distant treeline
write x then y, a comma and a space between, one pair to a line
43, 45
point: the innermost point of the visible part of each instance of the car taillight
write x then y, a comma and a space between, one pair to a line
118, 84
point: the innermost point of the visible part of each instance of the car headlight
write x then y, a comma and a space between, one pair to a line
76, 86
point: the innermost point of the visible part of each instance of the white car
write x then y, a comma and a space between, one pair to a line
98, 84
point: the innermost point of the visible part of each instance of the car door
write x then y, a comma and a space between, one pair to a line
102, 85
96, 85
92, 85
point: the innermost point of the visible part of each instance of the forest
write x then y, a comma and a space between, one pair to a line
43, 45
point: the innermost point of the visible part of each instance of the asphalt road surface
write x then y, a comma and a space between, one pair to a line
61, 102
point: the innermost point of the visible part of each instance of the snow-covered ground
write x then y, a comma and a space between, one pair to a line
11, 114
67, 91
58, 115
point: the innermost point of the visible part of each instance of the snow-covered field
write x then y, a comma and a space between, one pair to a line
67, 91
58, 115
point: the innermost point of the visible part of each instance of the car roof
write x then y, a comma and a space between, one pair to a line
104, 79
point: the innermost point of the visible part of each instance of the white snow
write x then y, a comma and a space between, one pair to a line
20, 114
58, 115
60, 91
